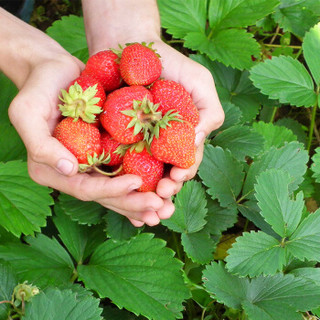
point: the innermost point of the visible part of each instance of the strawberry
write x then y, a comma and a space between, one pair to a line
82, 139
128, 114
175, 144
104, 66
113, 148
172, 95
140, 162
83, 99
140, 64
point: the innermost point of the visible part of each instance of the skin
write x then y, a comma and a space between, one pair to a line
31, 60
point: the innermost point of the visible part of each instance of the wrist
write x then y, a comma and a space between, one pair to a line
114, 22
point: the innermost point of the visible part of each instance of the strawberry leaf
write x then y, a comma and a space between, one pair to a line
190, 212
180, 17
311, 48
291, 158
286, 79
222, 174
140, 275
315, 167
274, 136
232, 47
43, 261
242, 141
239, 13
24, 204
80, 240
263, 298
82, 211
62, 305
8, 281
256, 253
199, 246
282, 213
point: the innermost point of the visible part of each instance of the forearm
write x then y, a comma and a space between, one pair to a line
22, 47
112, 22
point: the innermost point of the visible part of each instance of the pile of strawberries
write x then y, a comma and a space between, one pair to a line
120, 117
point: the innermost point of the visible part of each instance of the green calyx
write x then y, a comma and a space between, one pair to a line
144, 116
24, 292
80, 104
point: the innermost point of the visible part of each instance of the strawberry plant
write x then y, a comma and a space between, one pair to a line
244, 240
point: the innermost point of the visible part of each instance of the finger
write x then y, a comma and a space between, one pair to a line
167, 187
167, 210
136, 223
84, 186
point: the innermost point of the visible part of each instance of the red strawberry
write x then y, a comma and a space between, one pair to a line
127, 114
104, 66
172, 95
82, 139
175, 144
140, 64
83, 99
113, 148
140, 162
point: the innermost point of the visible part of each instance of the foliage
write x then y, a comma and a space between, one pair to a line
243, 241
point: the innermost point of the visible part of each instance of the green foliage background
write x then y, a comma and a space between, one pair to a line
244, 240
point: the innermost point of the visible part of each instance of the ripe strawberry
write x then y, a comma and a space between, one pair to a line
104, 66
140, 64
127, 114
175, 144
83, 99
82, 139
140, 162
172, 95
113, 148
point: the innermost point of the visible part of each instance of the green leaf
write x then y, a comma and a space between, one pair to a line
199, 246
233, 86
242, 141
295, 127
312, 274
304, 242
222, 174
295, 16
7, 93
83, 212
286, 79
315, 167
220, 219
43, 262
55, 304
273, 195
311, 48
119, 228
113, 313
232, 47
8, 282
12, 147
75, 39
79, 240
255, 253
180, 17
24, 204
291, 158
232, 113
190, 212
274, 136
239, 13
226, 288
263, 298
140, 275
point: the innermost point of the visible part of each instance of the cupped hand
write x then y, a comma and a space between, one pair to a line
34, 113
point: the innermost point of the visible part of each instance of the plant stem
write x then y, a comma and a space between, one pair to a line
177, 246
274, 112
74, 276
280, 46
312, 122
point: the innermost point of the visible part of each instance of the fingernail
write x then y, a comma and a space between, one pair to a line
200, 136
65, 167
